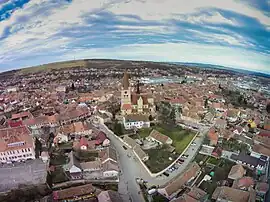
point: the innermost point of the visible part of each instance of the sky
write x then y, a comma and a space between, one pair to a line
232, 33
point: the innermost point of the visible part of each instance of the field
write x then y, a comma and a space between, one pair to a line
53, 66
181, 137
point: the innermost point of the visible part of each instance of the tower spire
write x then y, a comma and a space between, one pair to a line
126, 80
138, 87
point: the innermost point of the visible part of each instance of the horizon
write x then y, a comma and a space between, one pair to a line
203, 65
234, 34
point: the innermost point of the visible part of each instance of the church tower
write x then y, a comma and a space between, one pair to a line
126, 107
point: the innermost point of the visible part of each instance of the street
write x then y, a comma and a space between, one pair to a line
132, 168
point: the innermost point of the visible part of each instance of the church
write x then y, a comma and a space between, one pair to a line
133, 101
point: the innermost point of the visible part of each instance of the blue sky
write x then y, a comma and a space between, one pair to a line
234, 33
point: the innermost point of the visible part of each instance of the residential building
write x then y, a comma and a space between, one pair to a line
228, 194
16, 144
73, 168
109, 196
140, 153
213, 137
171, 190
159, 137
236, 172
262, 188
137, 121
244, 183
249, 161
82, 192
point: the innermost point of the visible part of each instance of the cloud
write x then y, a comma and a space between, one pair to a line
41, 31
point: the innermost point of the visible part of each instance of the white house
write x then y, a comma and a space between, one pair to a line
160, 138
136, 121
17, 144
110, 169
44, 156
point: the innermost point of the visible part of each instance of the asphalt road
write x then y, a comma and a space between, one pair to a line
127, 183
132, 168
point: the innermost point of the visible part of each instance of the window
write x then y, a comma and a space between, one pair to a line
29, 149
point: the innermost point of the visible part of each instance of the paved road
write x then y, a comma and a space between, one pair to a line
132, 168
127, 182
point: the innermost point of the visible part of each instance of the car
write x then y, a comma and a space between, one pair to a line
125, 148
166, 174
181, 160
193, 143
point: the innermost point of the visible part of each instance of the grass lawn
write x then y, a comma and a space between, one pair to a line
214, 161
58, 176
181, 137
86, 156
60, 159
200, 157
159, 159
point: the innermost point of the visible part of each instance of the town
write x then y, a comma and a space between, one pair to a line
129, 131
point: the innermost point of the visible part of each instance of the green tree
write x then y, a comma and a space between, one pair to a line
118, 129
268, 108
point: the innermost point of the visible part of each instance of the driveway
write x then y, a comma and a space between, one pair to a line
132, 168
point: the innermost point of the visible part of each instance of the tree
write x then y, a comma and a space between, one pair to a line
118, 129
268, 108
151, 118
172, 115
72, 87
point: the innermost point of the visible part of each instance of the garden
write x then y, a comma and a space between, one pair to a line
159, 158
181, 137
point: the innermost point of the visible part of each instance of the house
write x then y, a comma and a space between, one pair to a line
73, 168
60, 138
86, 191
213, 137
133, 121
91, 166
249, 161
159, 137
217, 152
16, 144
131, 143
260, 149
264, 133
101, 138
243, 183
236, 172
107, 154
262, 188
221, 123
228, 194
198, 194
140, 153
266, 125
110, 169
185, 198
232, 115
84, 144
21, 116
109, 196
238, 130
44, 156
171, 190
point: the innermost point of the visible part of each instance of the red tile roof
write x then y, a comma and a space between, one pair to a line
15, 135
126, 106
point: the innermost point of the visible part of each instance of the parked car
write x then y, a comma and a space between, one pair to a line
166, 174
125, 148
